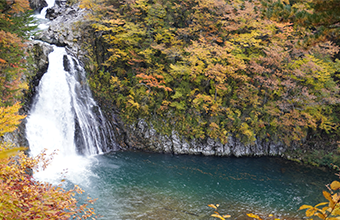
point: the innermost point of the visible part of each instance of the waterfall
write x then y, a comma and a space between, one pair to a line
50, 4
43, 23
64, 117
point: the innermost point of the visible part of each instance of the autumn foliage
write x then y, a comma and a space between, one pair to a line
22, 197
14, 30
213, 68
322, 18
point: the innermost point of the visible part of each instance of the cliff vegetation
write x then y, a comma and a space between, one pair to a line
252, 69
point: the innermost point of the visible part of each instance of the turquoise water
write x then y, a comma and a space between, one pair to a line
135, 185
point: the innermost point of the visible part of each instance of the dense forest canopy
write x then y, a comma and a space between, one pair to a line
321, 18
217, 68
15, 25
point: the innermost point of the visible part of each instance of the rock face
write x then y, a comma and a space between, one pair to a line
140, 136
40, 52
37, 5
62, 30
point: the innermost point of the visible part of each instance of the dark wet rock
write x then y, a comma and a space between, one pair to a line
40, 52
37, 5
142, 136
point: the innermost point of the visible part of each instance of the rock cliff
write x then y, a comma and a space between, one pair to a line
141, 136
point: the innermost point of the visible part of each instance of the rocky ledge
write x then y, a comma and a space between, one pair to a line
66, 27
141, 136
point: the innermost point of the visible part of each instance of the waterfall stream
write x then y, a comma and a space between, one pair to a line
65, 118
42, 21
42, 14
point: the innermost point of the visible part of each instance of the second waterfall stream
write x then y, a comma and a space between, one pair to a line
62, 119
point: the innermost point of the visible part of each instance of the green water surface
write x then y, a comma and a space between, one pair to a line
135, 185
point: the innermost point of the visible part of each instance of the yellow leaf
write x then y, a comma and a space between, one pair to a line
212, 206
331, 205
271, 215
336, 212
310, 212
333, 218
10, 118
324, 209
320, 215
226, 216
305, 207
327, 195
321, 204
218, 216
251, 215
335, 185
336, 197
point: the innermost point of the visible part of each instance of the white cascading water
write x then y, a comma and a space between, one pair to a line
50, 4
62, 119
65, 118
43, 23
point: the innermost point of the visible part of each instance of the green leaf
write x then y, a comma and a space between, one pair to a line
177, 105
177, 95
